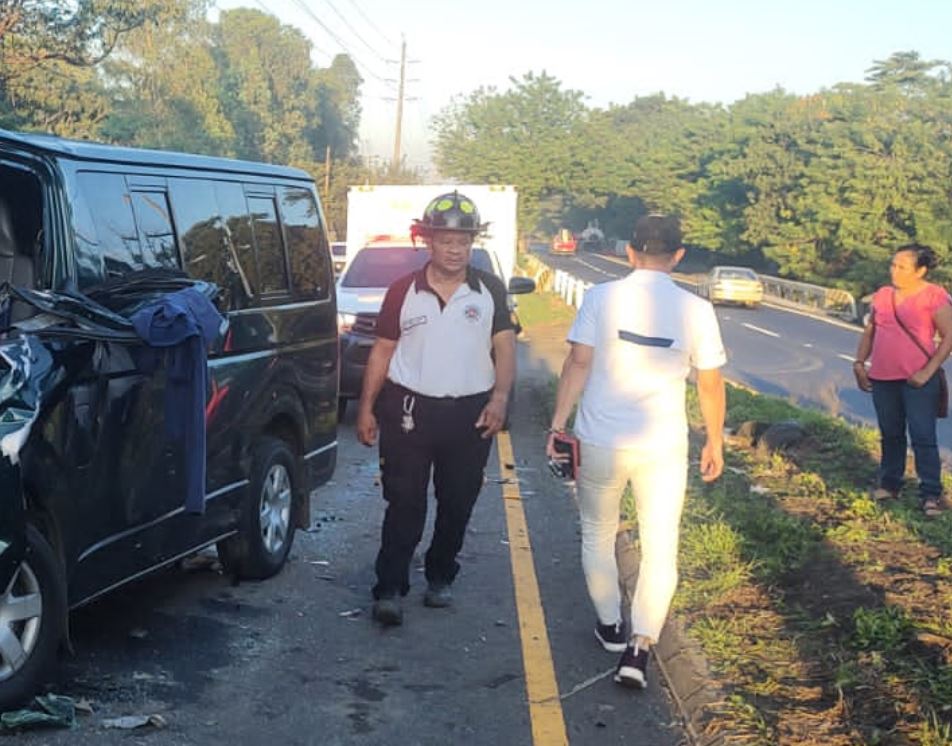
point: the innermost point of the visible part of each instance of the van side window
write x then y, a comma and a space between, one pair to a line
107, 242
156, 237
311, 269
272, 267
206, 255
237, 226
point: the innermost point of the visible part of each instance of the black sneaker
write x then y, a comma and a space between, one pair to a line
388, 611
438, 596
631, 668
611, 636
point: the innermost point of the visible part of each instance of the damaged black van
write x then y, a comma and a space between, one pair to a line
93, 482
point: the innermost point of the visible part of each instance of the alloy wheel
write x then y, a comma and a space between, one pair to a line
21, 610
275, 508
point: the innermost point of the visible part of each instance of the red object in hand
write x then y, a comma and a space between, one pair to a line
567, 446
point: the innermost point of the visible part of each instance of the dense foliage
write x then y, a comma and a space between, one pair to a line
158, 73
814, 187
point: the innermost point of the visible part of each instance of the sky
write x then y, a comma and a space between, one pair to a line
611, 50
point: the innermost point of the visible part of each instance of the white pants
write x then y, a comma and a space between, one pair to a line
658, 479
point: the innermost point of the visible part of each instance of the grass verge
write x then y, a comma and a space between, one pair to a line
826, 618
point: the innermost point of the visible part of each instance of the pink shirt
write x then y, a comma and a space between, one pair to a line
895, 357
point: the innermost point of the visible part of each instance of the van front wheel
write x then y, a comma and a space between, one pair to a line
32, 619
266, 529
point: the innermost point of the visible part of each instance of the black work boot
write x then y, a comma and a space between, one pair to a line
388, 611
438, 596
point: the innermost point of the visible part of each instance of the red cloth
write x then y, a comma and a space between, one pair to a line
895, 357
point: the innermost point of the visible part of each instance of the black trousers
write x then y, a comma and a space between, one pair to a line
444, 442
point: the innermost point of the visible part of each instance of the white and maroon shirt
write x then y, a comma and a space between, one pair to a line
444, 349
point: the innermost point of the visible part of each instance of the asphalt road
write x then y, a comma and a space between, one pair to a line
773, 350
297, 660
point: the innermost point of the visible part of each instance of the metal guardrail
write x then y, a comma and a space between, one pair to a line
801, 295
830, 301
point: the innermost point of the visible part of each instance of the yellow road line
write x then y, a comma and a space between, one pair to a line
545, 707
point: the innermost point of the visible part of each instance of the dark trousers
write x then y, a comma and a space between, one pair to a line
899, 407
443, 442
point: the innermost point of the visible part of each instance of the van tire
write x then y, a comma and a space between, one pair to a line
40, 568
254, 553
341, 409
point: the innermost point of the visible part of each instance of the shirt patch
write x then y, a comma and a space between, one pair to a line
412, 323
646, 341
472, 313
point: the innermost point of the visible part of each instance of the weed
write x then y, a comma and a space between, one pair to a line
944, 567
884, 629
852, 532
710, 546
746, 718
934, 732
808, 484
862, 507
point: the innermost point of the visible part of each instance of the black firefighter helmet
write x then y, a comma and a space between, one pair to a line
449, 212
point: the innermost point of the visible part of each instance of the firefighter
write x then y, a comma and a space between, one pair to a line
436, 390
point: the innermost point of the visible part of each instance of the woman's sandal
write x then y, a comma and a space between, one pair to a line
881, 494
932, 508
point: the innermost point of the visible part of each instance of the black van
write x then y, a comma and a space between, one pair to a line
92, 497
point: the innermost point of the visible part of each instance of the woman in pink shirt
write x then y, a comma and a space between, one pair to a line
899, 343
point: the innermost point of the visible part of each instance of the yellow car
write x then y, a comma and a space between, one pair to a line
733, 285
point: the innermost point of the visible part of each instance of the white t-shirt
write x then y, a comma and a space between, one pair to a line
647, 333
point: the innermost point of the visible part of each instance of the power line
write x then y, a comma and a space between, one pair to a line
307, 9
270, 12
373, 25
355, 32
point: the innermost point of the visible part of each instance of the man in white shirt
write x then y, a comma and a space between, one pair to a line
633, 344
436, 388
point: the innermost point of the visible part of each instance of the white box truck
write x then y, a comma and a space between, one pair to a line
389, 209
379, 251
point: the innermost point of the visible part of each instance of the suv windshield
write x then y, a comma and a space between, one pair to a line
378, 267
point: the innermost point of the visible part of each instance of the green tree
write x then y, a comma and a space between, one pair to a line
530, 136
47, 54
164, 86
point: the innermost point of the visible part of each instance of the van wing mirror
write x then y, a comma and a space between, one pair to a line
521, 285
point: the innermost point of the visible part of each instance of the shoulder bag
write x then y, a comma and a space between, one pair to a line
942, 408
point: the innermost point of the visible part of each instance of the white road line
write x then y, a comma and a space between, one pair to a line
848, 358
758, 329
593, 267
807, 344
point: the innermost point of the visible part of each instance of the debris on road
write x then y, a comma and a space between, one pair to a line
84, 706
351, 613
47, 711
138, 633
133, 722
203, 561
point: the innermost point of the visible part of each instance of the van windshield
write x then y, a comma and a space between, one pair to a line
378, 267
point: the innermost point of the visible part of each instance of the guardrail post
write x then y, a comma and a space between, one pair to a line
580, 289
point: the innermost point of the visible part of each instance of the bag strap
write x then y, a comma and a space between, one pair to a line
906, 329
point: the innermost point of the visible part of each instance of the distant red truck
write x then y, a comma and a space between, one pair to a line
564, 242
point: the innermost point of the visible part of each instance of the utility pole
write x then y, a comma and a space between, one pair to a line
395, 164
327, 176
